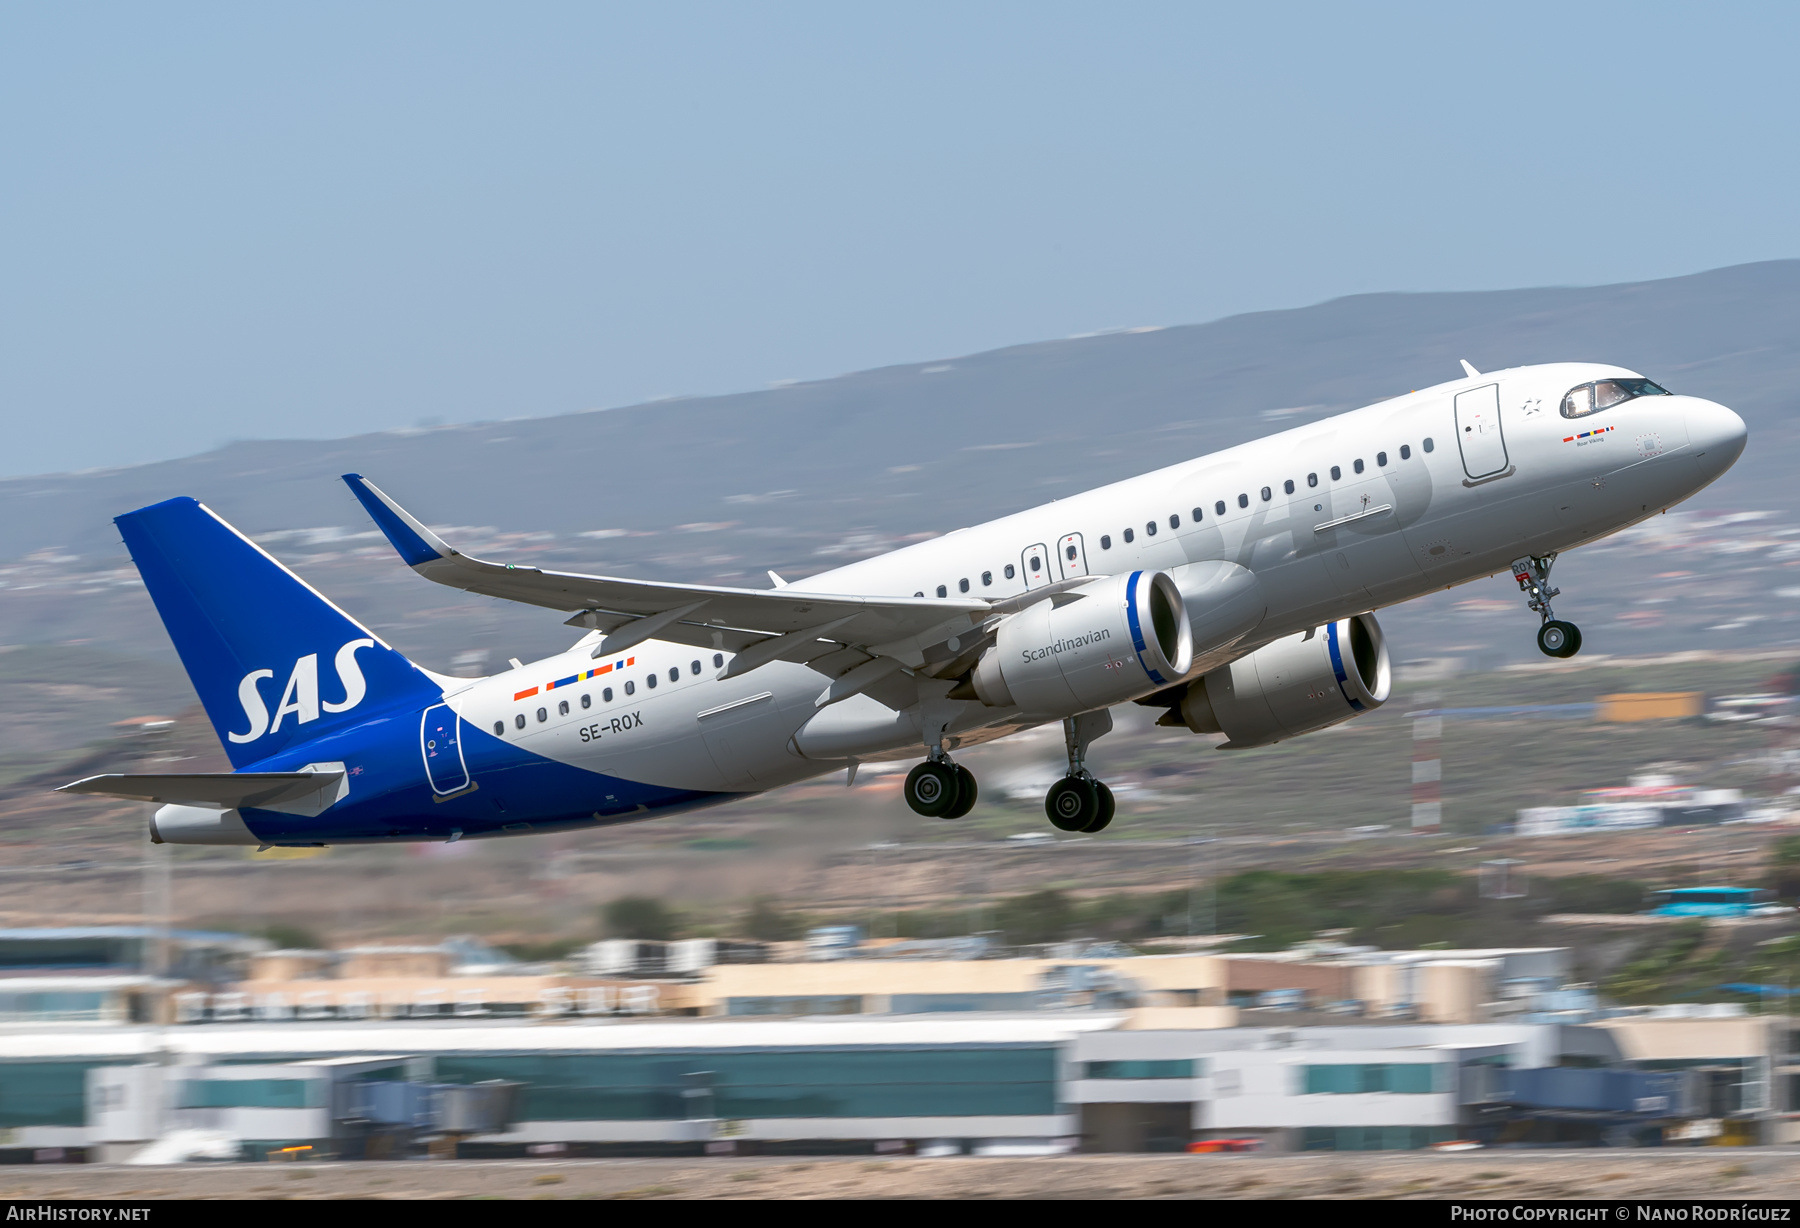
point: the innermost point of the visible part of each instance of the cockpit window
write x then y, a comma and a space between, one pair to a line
1606, 393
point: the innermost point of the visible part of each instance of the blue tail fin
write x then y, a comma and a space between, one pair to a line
276, 664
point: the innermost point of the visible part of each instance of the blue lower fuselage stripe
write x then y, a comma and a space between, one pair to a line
511, 790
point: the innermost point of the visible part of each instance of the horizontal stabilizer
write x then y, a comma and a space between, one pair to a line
212, 790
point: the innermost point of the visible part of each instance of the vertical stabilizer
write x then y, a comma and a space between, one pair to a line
275, 663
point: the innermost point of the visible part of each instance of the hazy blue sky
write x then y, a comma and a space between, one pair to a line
249, 220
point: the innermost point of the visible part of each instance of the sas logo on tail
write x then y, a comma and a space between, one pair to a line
300, 698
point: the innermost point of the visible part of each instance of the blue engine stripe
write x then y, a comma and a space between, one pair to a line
1337, 667
1137, 631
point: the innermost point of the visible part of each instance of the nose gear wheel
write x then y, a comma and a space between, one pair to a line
1556, 638
1559, 639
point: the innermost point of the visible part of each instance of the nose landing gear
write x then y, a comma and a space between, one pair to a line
1078, 802
1555, 638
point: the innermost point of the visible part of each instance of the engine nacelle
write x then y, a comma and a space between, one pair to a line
1095, 646
1307, 681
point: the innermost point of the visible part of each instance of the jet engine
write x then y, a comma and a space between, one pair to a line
1091, 647
1307, 681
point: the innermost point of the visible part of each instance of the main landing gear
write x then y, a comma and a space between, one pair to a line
1555, 638
1078, 802
940, 789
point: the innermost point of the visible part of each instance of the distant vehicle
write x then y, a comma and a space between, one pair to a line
1234, 591
1212, 1146
1716, 902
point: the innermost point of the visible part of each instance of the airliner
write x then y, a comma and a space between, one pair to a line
1235, 592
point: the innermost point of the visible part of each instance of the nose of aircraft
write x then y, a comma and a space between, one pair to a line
1715, 434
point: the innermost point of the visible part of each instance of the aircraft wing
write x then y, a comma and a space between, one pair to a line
215, 790
738, 619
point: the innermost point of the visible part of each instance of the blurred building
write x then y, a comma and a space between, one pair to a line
458, 978
1651, 706
105, 973
1650, 800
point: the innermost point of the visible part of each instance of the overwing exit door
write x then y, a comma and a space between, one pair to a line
1071, 556
440, 742
1478, 431
1034, 564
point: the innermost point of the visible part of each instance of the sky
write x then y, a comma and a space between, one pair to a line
237, 221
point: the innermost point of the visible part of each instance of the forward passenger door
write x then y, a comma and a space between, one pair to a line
1478, 431
1034, 565
1071, 556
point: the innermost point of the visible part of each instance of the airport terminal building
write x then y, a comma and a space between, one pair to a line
1028, 1083
923, 1048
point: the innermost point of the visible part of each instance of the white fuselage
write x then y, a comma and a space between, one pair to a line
1341, 516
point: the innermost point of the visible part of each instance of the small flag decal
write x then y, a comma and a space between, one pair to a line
1600, 430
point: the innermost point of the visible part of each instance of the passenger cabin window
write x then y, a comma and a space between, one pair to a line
649, 680
1105, 544
631, 688
1405, 451
987, 578
1243, 500
1174, 522
1150, 529
499, 729
519, 720
1381, 460
1010, 571
562, 709
1219, 507
719, 657
1129, 537
1606, 393
1197, 516
1357, 465
1036, 563
694, 667
1070, 552
1312, 479
1267, 494
587, 699
1427, 444
1336, 473
962, 585
543, 715
674, 673
1288, 486
943, 591
606, 695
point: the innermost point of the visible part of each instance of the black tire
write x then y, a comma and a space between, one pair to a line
1559, 639
966, 792
1107, 806
932, 789
1072, 804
